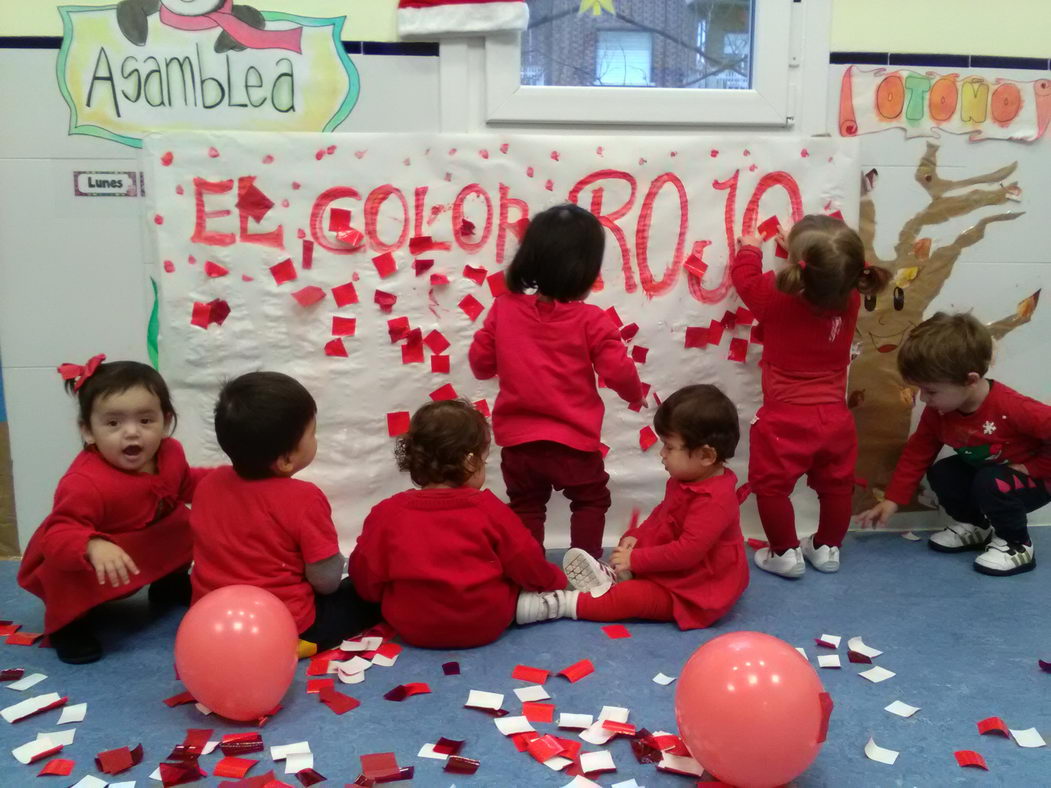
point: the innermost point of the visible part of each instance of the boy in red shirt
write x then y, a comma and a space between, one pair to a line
253, 524
1001, 468
447, 561
686, 562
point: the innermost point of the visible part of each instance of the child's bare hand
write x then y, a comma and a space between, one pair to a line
110, 562
781, 238
750, 240
878, 514
628, 542
621, 559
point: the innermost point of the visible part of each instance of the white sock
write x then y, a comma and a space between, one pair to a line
571, 603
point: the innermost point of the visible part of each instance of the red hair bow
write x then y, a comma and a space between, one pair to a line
81, 373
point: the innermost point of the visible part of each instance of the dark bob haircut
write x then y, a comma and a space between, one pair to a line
116, 377
702, 416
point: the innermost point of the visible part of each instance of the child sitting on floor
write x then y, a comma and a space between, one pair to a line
447, 561
687, 560
1001, 468
119, 519
253, 524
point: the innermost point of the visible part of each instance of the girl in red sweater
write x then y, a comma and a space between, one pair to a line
119, 520
686, 562
808, 313
547, 346
447, 561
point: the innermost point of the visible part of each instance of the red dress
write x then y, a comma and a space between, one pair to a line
144, 514
691, 545
446, 565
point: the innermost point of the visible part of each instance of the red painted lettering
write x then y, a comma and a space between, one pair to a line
201, 233
373, 203
609, 220
642, 236
471, 247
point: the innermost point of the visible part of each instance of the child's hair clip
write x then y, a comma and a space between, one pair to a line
81, 373
802, 263
866, 264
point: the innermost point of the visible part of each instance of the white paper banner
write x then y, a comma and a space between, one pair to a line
226, 207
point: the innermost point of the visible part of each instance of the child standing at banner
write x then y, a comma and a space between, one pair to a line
546, 348
808, 313
254, 524
447, 561
119, 520
686, 561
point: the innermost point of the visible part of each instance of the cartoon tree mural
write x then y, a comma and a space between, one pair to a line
881, 403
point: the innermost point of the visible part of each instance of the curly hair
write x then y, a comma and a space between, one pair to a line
441, 437
702, 416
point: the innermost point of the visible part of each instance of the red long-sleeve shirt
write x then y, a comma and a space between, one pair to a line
546, 355
1008, 427
144, 514
691, 544
806, 350
446, 565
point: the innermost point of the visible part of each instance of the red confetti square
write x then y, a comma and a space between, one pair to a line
424, 243
440, 364
23, 638
744, 316
422, 266
57, 767
457, 764
345, 294
647, 437
577, 670
715, 332
616, 631
993, 725
337, 701
285, 271
308, 777
757, 334
451, 668
344, 326
385, 301
780, 251
738, 350
12, 674
837, 214
179, 700
215, 270
338, 220
379, 764
628, 332
436, 341
118, 760
695, 265
612, 312
497, 284
308, 254
483, 407
233, 767
336, 348
538, 712
769, 228
530, 674
444, 392
397, 423
309, 295
544, 748
437, 280
398, 328
471, 307
476, 275
448, 746
970, 758
639, 353
314, 686
696, 336
621, 728
412, 353
385, 264
180, 773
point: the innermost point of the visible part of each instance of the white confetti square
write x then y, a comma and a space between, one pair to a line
479, 699
532, 693
901, 709
828, 661
600, 761
881, 754
1030, 737
663, 680
858, 645
26, 682
580, 721
509, 725
832, 640
877, 674
75, 713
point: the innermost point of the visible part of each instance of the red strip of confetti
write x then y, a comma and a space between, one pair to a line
970, 758
476, 275
993, 725
530, 674
337, 701
471, 307
616, 631
233, 767
647, 437
285, 271
444, 392
459, 765
538, 712
179, 700
398, 423
58, 767
578, 670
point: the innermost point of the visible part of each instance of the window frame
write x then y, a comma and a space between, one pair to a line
766, 103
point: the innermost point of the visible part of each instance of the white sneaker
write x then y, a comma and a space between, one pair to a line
960, 537
587, 573
789, 565
1001, 558
533, 607
823, 559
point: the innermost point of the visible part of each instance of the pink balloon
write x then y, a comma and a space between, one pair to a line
751, 710
236, 651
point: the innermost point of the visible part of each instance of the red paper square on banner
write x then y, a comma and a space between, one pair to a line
616, 631
422, 266
338, 220
471, 307
769, 228
385, 301
436, 341
738, 350
538, 712
437, 280
497, 284
612, 312
696, 336
628, 332
780, 251
647, 437
412, 353
336, 348
344, 326
214, 270
744, 316
639, 353
398, 423
308, 254
345, 294
695, 265
715, 332
423, 243
309, 295
444, 392
231, 766
837, 214
385, 264
757, 334
476, 275
440, 364
621, 728
57, 767
970, 758
532, 675
483, 407
578, 670
398, 328
285, 271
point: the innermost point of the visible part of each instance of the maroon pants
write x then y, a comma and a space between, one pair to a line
532, 470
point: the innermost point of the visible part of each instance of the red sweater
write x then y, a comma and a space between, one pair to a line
143, 513
1007, 428
806, 350
261, 532
546, 356
691, 544
447, 565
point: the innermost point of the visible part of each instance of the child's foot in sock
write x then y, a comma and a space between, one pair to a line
76, 643
533, 607
587, 573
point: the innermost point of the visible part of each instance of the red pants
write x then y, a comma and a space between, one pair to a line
630, 599
532, 470
788, 441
